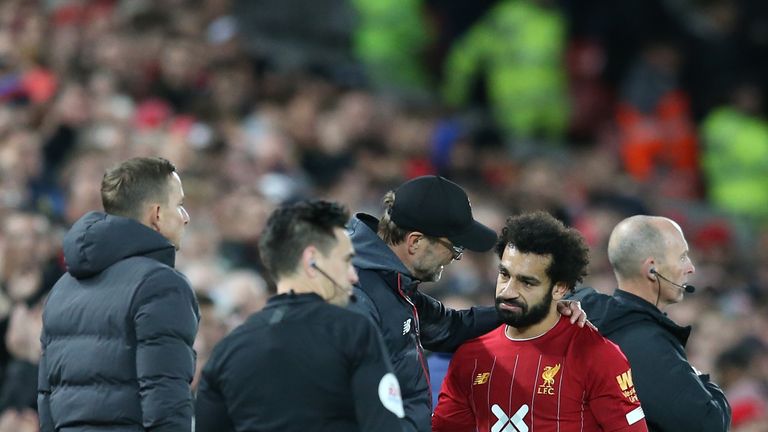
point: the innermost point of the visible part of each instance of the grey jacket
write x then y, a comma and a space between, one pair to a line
118, 330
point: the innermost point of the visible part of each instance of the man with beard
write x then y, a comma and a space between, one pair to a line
426, 225
535, 371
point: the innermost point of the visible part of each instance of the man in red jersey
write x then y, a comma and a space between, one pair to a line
537, 372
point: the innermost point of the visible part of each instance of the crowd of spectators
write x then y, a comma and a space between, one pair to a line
87, 83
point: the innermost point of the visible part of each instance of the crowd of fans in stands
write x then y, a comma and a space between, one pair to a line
86, 83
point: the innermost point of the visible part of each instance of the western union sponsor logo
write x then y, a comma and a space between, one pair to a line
625, 380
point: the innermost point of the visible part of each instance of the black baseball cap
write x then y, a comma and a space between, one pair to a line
438, 207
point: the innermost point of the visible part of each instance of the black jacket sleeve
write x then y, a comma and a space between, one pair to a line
443, 329
210, 408
165, 322
673, 396
375, 389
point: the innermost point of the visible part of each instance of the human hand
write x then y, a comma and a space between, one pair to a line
23, 335
19, 421
572, 308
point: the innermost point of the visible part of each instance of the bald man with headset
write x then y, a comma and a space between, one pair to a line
649, 256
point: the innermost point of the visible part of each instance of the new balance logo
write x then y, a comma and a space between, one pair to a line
406, 326
482, 378
509, 424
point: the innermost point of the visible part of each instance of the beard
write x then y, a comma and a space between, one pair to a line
526, 317
432, 274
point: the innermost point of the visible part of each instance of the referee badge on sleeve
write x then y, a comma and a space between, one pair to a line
389, 393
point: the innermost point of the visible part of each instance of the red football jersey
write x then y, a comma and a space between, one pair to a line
568, 379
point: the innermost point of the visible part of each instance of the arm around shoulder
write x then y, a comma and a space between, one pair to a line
444, 329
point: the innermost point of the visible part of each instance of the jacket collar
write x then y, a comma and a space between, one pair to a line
631, 301
371, 253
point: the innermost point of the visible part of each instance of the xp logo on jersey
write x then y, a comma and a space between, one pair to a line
406, 326
549, 380
505, 423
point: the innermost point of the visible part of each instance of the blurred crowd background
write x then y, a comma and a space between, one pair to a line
593, 110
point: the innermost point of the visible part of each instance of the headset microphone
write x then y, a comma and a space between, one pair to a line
336, 286
687, 287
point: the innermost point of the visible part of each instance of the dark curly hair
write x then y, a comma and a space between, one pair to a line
542, 234
291, 228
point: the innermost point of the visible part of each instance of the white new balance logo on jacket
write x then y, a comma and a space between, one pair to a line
406, 326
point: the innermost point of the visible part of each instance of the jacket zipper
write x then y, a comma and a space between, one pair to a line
419, 348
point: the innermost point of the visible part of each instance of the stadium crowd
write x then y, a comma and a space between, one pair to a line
672, 125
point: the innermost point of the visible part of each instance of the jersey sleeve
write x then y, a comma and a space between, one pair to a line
611, 394
454, 410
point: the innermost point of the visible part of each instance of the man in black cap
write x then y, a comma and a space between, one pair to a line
426, 225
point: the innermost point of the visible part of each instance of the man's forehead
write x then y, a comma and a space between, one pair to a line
673, 232
513, 253
175, 181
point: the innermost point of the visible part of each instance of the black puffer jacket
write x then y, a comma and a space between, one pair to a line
118, 330
674, 396
409, 320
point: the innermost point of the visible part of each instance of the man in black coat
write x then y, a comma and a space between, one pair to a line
118, 327
650, 259
303, 363
427, 224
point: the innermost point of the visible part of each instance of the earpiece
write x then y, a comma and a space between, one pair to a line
685, 287
312, 263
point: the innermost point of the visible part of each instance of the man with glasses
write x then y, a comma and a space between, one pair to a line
426, 225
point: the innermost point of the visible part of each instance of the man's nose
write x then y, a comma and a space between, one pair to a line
352, 275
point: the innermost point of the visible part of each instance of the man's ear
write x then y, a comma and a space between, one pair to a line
559, 291
152, 216
649, 269
308, 260
414, 240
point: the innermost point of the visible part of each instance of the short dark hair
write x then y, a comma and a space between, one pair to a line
389, 232
127, 186
540, 233
291, 228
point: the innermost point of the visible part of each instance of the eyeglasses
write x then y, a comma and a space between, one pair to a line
457, 251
